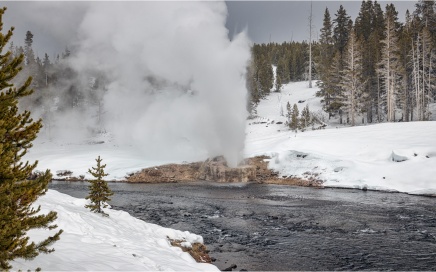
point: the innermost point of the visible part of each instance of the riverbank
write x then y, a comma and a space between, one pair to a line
92, 242
266, 227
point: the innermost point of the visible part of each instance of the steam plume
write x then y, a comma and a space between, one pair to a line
175, 83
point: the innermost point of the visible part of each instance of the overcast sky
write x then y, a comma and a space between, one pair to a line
277, 21
289, 20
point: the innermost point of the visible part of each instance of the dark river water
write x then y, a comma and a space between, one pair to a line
277, 227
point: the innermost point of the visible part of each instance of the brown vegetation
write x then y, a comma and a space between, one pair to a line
198, 251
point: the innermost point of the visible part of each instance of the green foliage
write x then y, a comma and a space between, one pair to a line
305, 120
294, 117
17, 193
99, 191
278, 85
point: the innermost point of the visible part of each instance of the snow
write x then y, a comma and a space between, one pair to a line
92, 242
388, 156
79, 156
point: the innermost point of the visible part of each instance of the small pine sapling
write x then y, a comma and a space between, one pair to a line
305, 119
294, 123
99, 191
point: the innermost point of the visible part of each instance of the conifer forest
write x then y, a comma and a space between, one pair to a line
372, 66
371, 69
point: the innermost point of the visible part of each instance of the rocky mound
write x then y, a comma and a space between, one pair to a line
254, 170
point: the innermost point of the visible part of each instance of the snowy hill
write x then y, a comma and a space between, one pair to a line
119, 242
389, 156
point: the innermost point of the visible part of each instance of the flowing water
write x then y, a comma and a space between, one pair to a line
277, 227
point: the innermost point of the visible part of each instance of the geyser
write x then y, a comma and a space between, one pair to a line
175, 83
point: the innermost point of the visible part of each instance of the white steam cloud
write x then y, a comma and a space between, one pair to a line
175, 82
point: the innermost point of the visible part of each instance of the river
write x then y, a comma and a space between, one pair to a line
279, 227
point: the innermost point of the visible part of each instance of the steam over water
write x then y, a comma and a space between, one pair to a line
174, 82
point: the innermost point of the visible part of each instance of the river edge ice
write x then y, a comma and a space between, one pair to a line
120, 242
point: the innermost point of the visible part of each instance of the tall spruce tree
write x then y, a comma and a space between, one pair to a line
17, 193
325, 57
341, 30
295, 120
390, 66
352, 79
99, 191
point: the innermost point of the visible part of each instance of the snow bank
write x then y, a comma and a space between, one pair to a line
118, 242
390, 156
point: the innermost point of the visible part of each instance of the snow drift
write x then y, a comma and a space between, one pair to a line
120, 242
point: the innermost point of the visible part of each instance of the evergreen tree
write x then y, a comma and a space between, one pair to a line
28, 51
341, 30
374, 55
99, 191
278, 83
390, 64
288, 113
17, 193
294, 124
351, 80
423, 73
326, 43
283, 68
305, 120
332, 87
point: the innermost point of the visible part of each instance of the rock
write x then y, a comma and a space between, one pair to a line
230, 268
253, 169
216, 169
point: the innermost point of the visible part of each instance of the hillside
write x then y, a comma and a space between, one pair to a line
388, 156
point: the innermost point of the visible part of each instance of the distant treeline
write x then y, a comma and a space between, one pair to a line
374, 68
59, 89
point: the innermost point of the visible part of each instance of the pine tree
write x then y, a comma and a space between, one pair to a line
390, 65
341, 30
28, 51
326, 43
294, 123
278, 83
99, 190
305, 120
352, 80
423, 73
17, 193
288, 113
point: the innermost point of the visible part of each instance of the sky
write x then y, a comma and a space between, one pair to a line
280, 21
264, 21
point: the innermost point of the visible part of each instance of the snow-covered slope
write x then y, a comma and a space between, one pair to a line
119, 242
389, 156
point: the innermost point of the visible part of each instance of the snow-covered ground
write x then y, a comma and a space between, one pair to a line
389, 156
120, 242
365, 156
